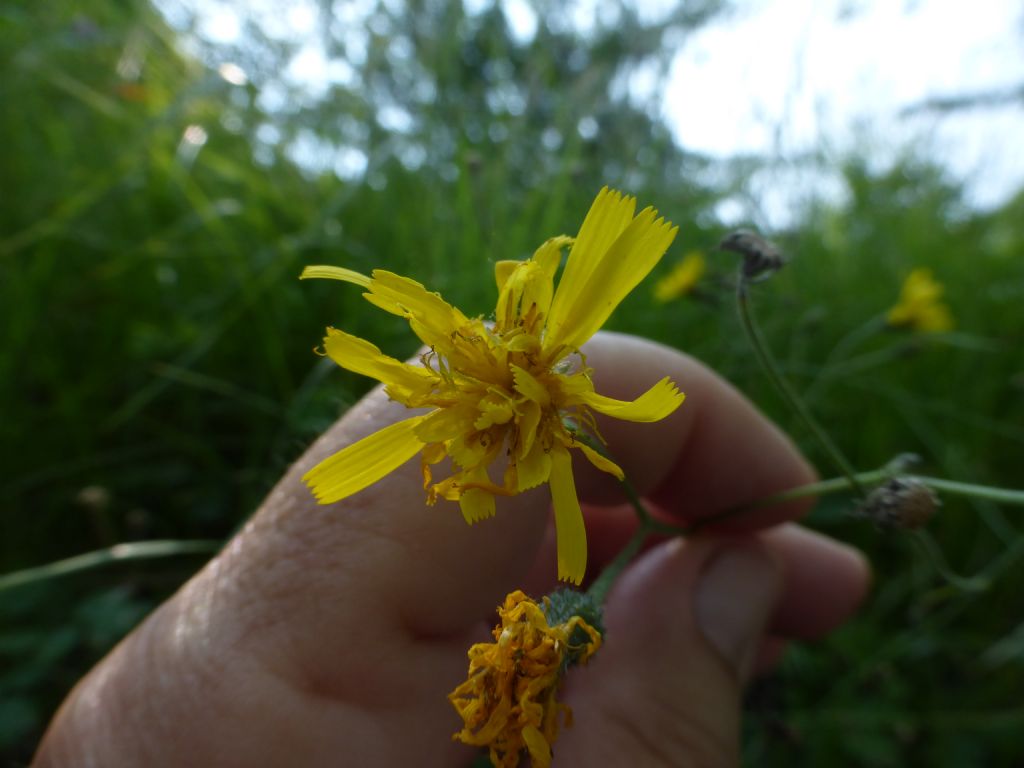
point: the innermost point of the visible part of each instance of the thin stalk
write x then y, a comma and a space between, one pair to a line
839, 484
1000, 495
820, 488
787, 392
934, 553
138, 550
603, 583
627, 487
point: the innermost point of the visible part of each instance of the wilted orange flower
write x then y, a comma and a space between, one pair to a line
508, 702
516, 388
920, 306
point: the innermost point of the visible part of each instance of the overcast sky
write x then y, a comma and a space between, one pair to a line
782, 77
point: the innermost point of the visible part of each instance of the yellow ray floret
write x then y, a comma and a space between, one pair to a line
653, 405
516, 388
364, 463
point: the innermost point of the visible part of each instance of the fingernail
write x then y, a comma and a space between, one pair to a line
735, 594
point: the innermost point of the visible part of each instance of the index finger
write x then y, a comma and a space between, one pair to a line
714, 454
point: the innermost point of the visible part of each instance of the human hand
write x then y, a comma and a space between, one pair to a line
327, 635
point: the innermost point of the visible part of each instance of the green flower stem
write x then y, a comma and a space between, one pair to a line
627, 487
638, 504
821, 488
789, 395
139, 550
875, 476
933, 552
987, 492
603, 583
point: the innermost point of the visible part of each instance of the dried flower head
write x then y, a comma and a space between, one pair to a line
508, 701
761, 258
920, 306
901, 502
514, 388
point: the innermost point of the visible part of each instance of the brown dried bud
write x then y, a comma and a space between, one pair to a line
761, 258
902, 502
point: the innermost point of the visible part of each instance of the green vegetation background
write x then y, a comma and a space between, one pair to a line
156, 366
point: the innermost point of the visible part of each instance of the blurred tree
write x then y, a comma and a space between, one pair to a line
472, 108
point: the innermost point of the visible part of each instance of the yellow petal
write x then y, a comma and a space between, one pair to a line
527, 422
617, 271
475, 499
529, 387
335, 273
503, 270
446, 424
538, 286
476, 505
600, 461
526, 287
432, 318
533, 469
570, 533
493, 410
432, 454
921, 286
522, 342
549, 255
609, 215
471, 449
537, 746
365, 462
653, 405
360, 356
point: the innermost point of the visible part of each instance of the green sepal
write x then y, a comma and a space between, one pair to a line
562, 605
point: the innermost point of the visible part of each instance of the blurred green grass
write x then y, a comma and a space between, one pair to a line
157, 371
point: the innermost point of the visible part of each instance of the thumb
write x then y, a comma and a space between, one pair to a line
684, 625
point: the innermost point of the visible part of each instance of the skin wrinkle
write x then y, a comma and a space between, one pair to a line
315, 596
666, 741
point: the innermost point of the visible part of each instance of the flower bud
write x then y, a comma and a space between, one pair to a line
901, 502
761, 258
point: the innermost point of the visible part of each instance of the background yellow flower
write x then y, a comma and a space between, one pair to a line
920, 306
682, 279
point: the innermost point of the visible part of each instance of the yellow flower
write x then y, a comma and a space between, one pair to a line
920, 306
508, 701
517, 388
682, 279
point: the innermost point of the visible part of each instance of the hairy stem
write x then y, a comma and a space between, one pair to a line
788, 393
